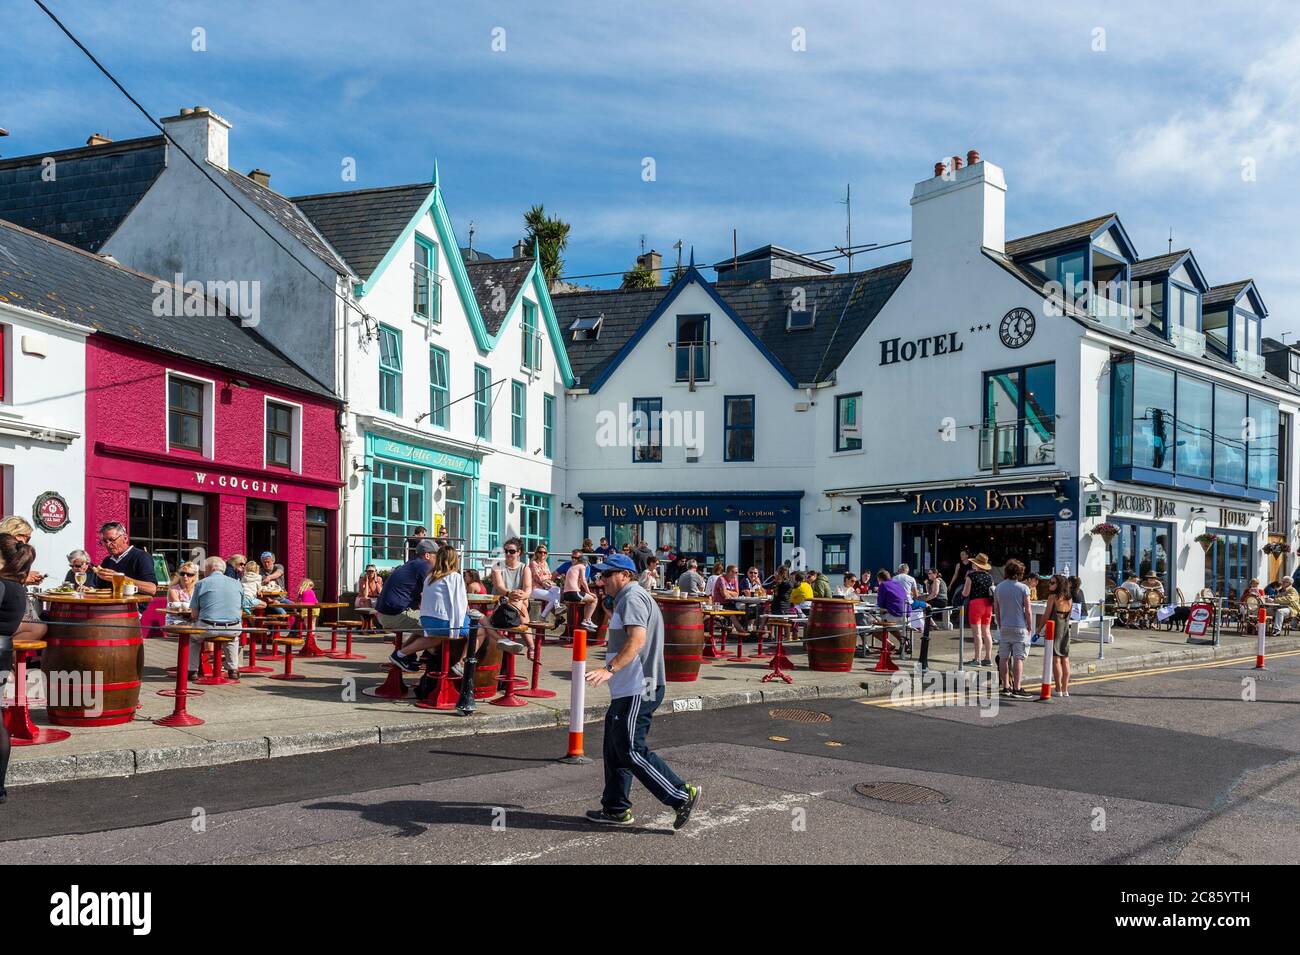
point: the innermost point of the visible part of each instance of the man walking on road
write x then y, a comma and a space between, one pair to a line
635, 673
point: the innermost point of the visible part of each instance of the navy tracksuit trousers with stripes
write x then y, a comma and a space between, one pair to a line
626, 755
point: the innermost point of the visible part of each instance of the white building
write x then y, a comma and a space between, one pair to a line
998, 396
42, 423
452, 374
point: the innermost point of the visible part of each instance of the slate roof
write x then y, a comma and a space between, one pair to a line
1142, 333
42, 275
363, 224
1042, 241
93, 189
846, 305
1156, 265
1219, 294
486, 276
283, 211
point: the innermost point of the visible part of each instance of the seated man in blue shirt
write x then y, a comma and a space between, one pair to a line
398, 604
217, 604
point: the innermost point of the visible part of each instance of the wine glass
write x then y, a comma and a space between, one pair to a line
80, 578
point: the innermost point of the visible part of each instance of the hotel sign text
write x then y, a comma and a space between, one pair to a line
894, 350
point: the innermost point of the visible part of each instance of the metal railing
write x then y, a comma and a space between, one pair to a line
426, 293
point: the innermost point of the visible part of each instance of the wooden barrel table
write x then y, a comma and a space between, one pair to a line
683, 638
488, 668
832, 635
95, 659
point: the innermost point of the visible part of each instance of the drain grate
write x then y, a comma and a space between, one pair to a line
908, 794
800, 716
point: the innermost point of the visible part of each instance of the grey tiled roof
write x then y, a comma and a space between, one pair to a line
846, 305
93, 189
486, 276
1156, 265
1042, 241
42, 275
284, 212
1219, 294
363, 224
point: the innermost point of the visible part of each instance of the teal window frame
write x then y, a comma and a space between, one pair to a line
548, 425
390, 370
425, 280
439, 387
534, 519
518, 415
841, 442
482, 403
532, 344
496, 510
413, 483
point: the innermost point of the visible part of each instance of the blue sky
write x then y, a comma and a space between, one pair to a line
745, 131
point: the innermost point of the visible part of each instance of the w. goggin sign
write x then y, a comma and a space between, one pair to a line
235, 483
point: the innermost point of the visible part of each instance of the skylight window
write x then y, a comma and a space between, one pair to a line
587, 329
800, 320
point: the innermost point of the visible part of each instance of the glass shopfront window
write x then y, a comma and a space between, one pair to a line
398, 495
169, 524
707, 543
1153, 418
1229, 426
1228, 563
1195, 427
535, 520
1262, 450
1139, 548
1170, 423
454, 510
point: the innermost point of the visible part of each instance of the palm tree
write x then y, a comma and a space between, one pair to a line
550, 235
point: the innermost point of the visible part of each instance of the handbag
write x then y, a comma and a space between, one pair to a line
505, 616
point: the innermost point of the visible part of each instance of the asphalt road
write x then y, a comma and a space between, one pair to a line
1173, 766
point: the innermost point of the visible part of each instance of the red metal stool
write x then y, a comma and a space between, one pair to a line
779, 660
509, 695
447, 692
178, 716
711, 654
533, 691
349, 627
277, 625
251, 634
288, 643
18, 718
218, 677
393, 687
308, 630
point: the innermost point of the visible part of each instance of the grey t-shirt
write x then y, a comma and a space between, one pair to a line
1009, 599
691, 582
634, 607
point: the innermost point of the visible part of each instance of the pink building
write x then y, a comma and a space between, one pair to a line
199, 458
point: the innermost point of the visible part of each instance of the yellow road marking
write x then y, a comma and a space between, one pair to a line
1105, 678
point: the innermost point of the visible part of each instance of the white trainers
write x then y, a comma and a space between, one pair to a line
510, 646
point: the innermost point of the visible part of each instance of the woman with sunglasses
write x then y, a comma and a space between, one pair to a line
544, 586
180, 592
78, 563
512, 580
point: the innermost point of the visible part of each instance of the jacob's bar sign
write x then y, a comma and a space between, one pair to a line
980, 503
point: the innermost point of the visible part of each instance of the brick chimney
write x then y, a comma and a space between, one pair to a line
201, 133
98, 139
958, 210
261, 177
651, 260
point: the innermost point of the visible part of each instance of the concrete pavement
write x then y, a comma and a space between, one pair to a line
262, 718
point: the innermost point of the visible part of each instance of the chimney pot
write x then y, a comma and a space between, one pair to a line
972, 157
956, 163
521, 249
938, 168
261, 177
98, 139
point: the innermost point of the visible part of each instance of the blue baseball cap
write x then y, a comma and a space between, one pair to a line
617, 562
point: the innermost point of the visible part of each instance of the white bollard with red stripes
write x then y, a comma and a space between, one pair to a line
577, 697
1259, 649
1049, 634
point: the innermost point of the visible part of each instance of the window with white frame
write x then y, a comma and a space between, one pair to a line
280, 434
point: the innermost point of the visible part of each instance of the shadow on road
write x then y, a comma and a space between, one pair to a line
414, 817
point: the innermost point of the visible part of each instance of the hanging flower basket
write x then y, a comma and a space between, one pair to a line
1206, 541
1107, 532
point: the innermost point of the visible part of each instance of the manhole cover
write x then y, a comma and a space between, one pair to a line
909, 794
800, 716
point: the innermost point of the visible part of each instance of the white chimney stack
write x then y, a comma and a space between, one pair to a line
959, 210
201, 133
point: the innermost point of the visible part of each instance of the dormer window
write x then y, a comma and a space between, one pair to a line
801, 320
587, 329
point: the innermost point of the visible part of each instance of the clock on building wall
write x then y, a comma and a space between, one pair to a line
1017, 327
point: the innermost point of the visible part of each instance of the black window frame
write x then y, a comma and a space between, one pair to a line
654, 429
728, 427
273, 407
174, 411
